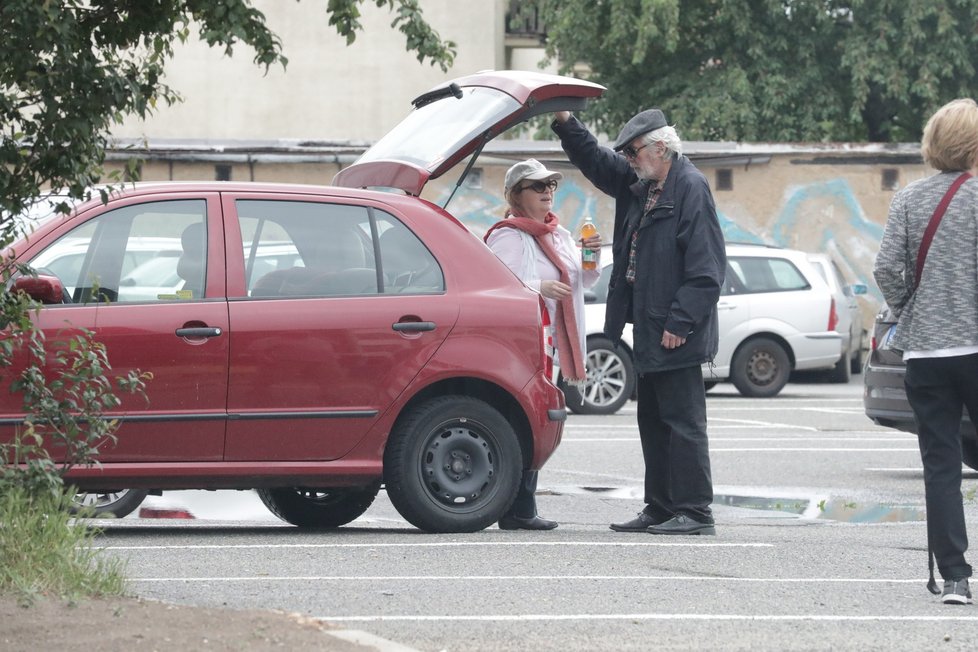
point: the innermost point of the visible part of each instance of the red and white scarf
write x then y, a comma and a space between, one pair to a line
566, 331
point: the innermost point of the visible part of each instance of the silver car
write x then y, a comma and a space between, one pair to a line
777, 315
850, 316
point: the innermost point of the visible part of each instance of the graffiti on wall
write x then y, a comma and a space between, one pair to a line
822, 216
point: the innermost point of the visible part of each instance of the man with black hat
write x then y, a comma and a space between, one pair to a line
669, 265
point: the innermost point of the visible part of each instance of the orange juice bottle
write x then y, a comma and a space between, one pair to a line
589, 257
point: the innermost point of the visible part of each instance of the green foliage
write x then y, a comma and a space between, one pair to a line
44, 553
70, 69
770, 70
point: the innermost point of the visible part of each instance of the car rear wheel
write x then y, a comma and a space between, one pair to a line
842, 371
319, 508
969, 452
452, 464
105, 503
760, 368
610, 380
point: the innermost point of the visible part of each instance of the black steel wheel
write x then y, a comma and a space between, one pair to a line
760, 368
452, 464
317, 507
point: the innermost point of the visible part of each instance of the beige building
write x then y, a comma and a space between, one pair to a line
306, 122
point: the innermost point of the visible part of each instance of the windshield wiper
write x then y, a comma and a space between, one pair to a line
437, 94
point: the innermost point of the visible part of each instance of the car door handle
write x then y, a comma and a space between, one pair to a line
413, 326
199, 331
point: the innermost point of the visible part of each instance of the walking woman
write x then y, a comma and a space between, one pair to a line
927, 270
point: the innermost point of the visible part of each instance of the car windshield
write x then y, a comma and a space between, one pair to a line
433, 132
40, 211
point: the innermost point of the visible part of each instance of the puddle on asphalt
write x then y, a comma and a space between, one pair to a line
801, 507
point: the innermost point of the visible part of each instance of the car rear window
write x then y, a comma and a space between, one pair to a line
748, 275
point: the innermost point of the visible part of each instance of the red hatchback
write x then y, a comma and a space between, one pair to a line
316, 342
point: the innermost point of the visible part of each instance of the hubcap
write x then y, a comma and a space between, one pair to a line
605, 378
762, 369
458, 465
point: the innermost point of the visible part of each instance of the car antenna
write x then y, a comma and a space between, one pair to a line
424, 99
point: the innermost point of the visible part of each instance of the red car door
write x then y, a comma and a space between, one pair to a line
175, 333
323, 342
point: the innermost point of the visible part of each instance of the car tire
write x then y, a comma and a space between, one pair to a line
108, 503
452, 464
969, 452
610, 380
317, 507
842, 371
760, 368
857, 361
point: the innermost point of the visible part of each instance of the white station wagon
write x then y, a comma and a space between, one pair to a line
777, 314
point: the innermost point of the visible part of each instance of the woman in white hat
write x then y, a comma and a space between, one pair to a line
543, 254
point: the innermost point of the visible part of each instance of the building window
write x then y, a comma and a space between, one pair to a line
724, 179
222, 172
891, 179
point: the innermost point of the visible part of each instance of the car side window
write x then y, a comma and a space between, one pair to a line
306, 249
758, 274
408, 266
154, 251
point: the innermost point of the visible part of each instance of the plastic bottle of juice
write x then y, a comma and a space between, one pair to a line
589, 257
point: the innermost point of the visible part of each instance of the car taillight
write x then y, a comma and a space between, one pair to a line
546, 340
833, 316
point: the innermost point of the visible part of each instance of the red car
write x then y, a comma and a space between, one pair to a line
320, 341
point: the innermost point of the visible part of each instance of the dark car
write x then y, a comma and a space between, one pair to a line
884, 394
389, 346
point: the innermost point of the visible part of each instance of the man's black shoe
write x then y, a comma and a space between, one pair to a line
519, 523
682, 524
639, 524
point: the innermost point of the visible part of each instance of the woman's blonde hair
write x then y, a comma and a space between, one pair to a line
950, 142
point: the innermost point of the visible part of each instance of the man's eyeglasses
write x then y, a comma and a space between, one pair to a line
631, 152
539, 186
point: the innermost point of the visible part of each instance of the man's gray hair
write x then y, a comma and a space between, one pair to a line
667, 136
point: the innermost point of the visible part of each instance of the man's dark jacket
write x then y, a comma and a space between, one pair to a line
680, 254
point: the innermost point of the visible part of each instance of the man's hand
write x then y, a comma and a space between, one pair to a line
562, 116
670, 341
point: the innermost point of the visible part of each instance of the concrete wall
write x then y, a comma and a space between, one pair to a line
329, 91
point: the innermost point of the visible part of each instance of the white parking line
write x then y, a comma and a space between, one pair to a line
701, 617
712, 439
447, 544
532, 578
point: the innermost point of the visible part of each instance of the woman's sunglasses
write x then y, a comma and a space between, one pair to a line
539, 186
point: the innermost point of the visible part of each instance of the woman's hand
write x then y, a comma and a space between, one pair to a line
592, 242
555, 290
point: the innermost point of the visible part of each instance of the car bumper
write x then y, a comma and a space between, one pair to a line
816, 350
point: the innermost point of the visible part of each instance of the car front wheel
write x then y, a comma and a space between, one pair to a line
452, 464
610, 380
760, 368
319, 508
105, 503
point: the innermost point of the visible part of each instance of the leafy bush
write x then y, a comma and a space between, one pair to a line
65, 392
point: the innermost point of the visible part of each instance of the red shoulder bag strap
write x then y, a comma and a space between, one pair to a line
935, 220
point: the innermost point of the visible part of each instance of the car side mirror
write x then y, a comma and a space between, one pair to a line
859, 288
43, 288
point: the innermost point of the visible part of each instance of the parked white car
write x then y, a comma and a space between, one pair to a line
850, 324
777, 314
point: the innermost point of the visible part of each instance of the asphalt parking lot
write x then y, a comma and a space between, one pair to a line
820, 544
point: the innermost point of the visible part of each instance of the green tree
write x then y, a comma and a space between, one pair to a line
770, 70
69, 69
